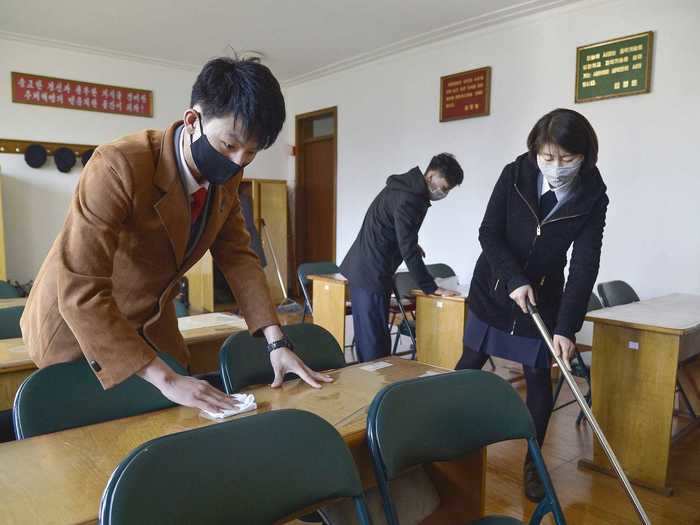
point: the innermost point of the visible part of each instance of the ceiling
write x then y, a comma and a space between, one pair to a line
299, 39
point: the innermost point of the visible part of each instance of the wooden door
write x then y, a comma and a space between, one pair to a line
315, 189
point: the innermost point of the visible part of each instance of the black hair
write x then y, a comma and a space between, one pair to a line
567, 129
448, 167
246, 89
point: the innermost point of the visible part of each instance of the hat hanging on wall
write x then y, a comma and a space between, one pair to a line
85, 157
65, 159
35, 155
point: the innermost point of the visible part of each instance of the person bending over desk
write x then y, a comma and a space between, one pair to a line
389, 235
146, 209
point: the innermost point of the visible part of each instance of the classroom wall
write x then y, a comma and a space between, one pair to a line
388, 123
35, 201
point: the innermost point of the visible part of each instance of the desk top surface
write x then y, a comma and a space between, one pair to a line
16, 301
194, 329
13, 355
330, 278
460, 298
676, 314
203, 327
59, 478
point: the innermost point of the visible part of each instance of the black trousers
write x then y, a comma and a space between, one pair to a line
540, 399
370, 319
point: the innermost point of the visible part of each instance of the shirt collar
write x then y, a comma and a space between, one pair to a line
560, 194
191, 184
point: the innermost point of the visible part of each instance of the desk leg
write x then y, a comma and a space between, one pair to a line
329, 308
633, 400
204, 356
439, 331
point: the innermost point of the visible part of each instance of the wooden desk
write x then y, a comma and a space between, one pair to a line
636, 351
15, 366
18, 301
330, 297
59, 478
203, 334
440, 325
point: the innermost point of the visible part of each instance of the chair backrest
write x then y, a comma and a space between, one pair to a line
244, 360
443, 418
7, 291
68, 395
440, 270
313, 268
403, 284
9, 322
594, 303
616, 293
238, 471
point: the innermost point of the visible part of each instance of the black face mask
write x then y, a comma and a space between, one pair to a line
213, 166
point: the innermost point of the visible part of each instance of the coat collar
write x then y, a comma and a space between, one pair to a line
173, 207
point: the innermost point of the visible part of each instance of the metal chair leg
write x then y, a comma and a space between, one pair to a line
684, 396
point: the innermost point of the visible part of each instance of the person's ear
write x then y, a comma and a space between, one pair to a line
190, 119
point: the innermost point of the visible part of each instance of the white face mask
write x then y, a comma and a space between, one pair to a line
559, 177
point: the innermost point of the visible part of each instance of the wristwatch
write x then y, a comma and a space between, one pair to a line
280, 343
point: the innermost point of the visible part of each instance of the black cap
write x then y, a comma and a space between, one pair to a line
35, 155
85, 157
64, 159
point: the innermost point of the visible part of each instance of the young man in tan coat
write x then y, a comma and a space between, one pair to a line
146, 209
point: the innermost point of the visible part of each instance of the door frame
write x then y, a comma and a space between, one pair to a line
299, 181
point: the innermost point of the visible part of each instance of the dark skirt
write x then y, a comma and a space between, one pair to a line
481, 337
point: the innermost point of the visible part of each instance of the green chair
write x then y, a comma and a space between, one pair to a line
580, 367
68, 395
7, 291
244, 360
445, 417
314, 268
255, 470
181, 309
9, 322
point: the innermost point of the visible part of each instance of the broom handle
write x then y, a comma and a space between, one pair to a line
589, 415
274, 257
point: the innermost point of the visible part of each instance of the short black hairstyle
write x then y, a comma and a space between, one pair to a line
246, 89
447, 166
567, 129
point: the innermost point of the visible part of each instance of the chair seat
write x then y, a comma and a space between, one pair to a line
496, 520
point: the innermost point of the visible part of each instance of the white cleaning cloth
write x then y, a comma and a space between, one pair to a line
244, 403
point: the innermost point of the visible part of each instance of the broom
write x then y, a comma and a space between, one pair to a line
287, 306
643, 518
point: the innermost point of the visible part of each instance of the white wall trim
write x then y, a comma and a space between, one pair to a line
498, 17
69, 46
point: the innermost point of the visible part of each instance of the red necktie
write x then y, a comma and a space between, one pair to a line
198, 199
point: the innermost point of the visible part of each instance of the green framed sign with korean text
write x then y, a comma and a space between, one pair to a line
615, 68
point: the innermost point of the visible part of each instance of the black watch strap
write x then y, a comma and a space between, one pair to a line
281, 343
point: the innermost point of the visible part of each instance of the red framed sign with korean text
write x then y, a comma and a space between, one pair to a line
88, 96
466, 94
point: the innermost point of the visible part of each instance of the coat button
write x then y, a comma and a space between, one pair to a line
95, 366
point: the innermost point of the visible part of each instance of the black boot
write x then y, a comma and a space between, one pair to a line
534, 489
